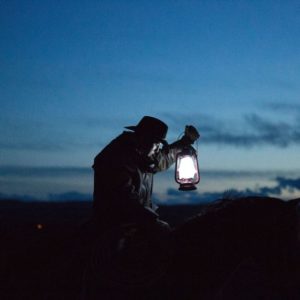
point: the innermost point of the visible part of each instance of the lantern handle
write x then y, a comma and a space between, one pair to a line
180, 136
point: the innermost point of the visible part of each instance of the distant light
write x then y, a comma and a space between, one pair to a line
39, 226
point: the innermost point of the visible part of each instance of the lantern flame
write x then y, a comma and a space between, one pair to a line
187, 168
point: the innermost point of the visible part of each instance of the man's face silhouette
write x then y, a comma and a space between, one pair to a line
154, 149
149, 147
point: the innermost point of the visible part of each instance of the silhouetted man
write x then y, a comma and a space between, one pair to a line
123, 174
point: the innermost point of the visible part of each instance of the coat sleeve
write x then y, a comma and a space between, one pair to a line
165, 158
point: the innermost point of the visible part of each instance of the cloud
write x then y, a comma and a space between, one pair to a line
13, 171
63, 197
33, 146
175, 196
60, 134
250, 130
247, 131
286, 182
70, 196
238, 174
23, 197
292, 184
283, 106
22, 134
253, 130
277, 133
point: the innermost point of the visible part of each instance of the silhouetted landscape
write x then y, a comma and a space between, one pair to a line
231, 249
45, 246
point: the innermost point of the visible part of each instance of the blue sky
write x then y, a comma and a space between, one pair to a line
74, 73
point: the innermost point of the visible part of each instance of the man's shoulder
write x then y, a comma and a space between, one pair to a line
120, 151
126, 140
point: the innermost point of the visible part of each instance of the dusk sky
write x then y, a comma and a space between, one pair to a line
74, 73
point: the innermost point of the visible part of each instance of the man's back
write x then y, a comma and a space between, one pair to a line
121, 189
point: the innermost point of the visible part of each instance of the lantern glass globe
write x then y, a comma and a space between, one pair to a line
186, 168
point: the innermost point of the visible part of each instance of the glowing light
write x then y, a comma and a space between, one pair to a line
39, 226
186, 168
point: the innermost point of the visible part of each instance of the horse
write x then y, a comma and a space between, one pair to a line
244, 248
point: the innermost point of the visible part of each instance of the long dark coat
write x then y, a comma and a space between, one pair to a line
123, 182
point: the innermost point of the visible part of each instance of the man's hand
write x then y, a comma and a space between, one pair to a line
190, 136
163, 226
191, 133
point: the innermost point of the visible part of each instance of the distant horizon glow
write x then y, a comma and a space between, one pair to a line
66, 184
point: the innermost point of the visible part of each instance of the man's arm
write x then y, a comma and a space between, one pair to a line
135, 211
126, 194
167, 156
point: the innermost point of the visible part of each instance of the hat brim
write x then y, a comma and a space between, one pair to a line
133, 128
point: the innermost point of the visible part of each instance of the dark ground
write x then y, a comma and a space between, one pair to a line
44, 247
245, 248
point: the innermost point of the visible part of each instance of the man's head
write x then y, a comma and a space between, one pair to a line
150, 132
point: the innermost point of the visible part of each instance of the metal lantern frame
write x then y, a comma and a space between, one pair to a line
187, 184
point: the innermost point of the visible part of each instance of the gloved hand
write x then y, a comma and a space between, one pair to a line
157, 228
190, 135
162, 226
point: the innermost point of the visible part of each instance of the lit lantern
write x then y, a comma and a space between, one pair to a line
187, 169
